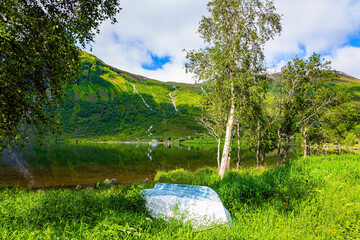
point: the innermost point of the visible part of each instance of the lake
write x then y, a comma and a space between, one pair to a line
84, 164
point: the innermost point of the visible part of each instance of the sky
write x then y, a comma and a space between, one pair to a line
151, 35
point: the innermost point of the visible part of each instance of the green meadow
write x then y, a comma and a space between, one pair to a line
312, 198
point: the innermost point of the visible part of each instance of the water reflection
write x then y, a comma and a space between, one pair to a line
73, 164
84, 164
13, 158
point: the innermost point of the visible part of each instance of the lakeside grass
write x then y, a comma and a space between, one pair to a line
312, 198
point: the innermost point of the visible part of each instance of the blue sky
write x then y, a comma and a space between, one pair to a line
156, 62
151, 35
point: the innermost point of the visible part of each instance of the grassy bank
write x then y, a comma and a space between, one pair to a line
314, 198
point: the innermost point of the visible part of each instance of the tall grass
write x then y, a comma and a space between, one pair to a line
313, 198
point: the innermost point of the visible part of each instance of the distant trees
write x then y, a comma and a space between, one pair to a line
356, 132
39, 57
235, 32
302, 95
338, 121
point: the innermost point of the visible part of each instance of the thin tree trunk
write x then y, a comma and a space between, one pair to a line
258, 162
239, 147
279, 148
305, 141
229, 157
218, 152
263, 157
326, 149
318, 150
310, 149
229, 126
286, 149
305, 147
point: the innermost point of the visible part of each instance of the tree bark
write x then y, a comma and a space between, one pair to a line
279, 148
258, 161
218, 152
228, 163
326, 149
304, 134
305, 147
239, 147
286, 149
229, 126
263, 157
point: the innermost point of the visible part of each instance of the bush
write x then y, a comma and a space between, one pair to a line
350, 139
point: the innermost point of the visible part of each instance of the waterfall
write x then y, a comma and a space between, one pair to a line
147, 105
173, 101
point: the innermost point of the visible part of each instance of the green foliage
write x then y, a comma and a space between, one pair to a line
110, 104
304, 97
39, 58
350, 139
340, 120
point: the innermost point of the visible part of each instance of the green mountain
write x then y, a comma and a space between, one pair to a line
111, 104
108, 103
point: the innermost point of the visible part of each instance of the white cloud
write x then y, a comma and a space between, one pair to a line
347, 60
277, 67
165, 28
313, 26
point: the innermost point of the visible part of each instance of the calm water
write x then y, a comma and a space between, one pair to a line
84, 164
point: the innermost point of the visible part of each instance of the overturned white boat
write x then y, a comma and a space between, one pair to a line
198, 204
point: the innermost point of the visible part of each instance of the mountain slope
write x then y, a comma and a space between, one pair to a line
348, 82
112, 104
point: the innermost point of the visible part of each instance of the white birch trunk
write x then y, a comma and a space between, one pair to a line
239, 147
304, 134
229, 126
218, 152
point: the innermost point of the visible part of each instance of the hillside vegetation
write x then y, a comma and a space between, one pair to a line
311, 198
111, 104
108, 103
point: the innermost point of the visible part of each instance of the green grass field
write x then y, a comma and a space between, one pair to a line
313, 198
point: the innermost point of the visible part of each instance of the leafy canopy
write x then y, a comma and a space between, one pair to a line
39, 57
303, 92
235, 33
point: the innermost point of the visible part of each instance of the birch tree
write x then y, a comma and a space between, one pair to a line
213, 121
235, 33
303, 95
